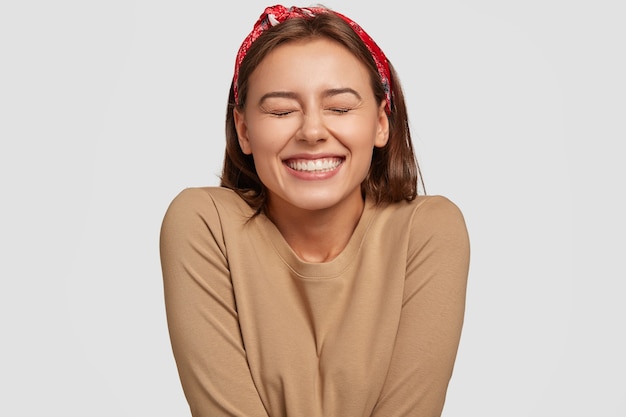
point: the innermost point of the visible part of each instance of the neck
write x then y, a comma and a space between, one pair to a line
316, 235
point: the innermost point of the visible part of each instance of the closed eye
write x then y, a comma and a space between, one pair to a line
281, 113
278, 112
339, 110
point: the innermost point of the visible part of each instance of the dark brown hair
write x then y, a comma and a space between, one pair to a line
394, 172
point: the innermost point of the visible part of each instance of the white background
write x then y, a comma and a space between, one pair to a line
109, 108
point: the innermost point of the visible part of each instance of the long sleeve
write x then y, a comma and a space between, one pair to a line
201, 311
432, 313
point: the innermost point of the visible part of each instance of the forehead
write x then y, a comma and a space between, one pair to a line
307, 63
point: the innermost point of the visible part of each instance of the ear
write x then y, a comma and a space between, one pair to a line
382, 133
242, 131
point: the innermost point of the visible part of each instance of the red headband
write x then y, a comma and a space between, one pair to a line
274, 15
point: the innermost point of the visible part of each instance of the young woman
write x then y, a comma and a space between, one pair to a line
314, 281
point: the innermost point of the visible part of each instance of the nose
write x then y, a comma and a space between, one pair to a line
312, 129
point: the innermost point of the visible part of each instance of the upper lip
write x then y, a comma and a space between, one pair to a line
312, 157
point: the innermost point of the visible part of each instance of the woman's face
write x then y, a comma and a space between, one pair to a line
311, 122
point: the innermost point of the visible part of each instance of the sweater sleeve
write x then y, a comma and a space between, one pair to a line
432, 313
201, 311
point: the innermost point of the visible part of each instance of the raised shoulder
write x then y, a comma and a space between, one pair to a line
196, 214
437, 222
208, 201
424, 210
436, 209
199, 196
427, 221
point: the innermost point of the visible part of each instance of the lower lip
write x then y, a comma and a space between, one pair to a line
314, 175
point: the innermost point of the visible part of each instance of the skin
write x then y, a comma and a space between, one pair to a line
311, 122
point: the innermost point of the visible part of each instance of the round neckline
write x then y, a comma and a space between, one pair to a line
319, 270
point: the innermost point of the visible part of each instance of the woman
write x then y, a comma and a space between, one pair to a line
314, 281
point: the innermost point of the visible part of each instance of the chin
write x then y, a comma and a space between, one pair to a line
321, 201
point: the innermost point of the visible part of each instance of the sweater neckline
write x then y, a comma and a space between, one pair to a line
319, 270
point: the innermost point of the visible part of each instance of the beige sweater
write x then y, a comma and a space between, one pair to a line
256, 331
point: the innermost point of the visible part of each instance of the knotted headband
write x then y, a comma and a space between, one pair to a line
274, 15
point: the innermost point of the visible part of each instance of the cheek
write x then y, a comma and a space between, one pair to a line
359, 132
259, 139
263, 146
266, 148
270, 136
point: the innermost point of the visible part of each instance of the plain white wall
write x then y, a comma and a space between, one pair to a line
109, 108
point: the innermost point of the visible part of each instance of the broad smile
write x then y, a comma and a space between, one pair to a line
314, 165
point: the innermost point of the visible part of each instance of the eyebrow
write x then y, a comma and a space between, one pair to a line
291, 95
278, 94
336, 91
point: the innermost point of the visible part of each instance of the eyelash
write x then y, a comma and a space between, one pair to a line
339, 111
281, 113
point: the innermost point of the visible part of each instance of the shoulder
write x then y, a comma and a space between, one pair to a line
207, 201
199, 196
198, 209
426, 219
434, 209
437, 222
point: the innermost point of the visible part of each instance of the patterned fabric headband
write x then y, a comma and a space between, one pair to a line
274, 15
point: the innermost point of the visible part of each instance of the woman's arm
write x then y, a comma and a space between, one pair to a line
432, 313
201, 312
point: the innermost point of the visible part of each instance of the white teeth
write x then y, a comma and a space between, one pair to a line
314, 165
